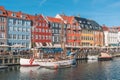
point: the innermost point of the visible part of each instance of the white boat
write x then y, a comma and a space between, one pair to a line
28, 62
105, 56
92, 57
51, 63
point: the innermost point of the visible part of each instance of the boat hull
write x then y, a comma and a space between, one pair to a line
28, 62
105, 58
55, 64
92, 57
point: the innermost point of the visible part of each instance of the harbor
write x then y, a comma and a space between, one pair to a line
105, 70
82, 54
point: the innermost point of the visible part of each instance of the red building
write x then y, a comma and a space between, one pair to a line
3, 25
73, 31
41, 33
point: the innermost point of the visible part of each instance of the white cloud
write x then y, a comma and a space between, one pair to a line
75, 1
42, 2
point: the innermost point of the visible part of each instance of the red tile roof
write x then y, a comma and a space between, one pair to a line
69, 19
17, 14
3, 11
56, 20
105, 28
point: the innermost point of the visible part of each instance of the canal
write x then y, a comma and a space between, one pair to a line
105, 70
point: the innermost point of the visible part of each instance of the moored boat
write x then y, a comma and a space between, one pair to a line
104, 56
28, 62
92, 57
52, 64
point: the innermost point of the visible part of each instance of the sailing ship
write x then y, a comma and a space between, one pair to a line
60, 61
29, 60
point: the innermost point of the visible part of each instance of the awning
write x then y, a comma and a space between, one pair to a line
52, 50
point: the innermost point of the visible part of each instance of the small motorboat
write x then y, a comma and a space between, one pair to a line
104, 56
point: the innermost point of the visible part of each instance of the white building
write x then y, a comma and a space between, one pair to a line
111, 36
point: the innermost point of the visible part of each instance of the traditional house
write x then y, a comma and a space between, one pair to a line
41, 32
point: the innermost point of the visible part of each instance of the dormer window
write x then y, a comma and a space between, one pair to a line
23, 16
1, 12
13, 14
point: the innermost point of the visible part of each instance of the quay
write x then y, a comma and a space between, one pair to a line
7, 60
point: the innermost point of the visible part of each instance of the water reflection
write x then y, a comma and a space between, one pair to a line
31, 73
85, 70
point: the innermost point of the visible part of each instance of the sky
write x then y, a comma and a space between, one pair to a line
102, 11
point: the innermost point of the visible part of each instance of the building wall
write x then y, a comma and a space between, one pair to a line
56, 31
19, 32
41, 32
3, 24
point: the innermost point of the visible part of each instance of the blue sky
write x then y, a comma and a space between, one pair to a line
102, 11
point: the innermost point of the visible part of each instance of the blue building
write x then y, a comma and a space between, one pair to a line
18, 30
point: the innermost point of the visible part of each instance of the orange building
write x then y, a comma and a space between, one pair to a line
73, 30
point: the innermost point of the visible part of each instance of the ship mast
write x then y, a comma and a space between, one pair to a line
62, 38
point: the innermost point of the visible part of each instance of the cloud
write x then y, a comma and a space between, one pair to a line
75, 1
42, 2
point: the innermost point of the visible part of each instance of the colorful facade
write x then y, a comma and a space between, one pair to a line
73, 31
37, 30
3, 25
111, 36
41, 32
56, 24
19, 29
91, 32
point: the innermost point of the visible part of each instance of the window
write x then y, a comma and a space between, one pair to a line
11, 28
46, 30
11, 21
39, 30
2, 35
27, 37
42, 30
18, 37
1, 12
2, 27
39, 24
10, 36
28, 30
24, 30
39, 36
23, 16
13, 14
43, 24
36, 37
14, 36
23, 37
56, 31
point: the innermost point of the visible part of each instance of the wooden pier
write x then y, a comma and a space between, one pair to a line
9, 59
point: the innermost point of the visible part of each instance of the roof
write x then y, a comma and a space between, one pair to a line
105, 28
55, 20
69, 19
88, 24
13, 14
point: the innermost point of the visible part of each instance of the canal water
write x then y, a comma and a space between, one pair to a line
92, 70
